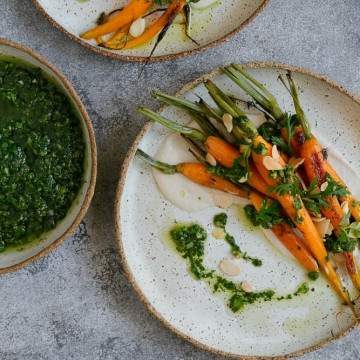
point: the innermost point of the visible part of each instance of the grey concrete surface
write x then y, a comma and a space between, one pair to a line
76, 303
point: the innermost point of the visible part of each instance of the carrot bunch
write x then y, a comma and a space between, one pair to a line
118, 25
288, 172
301, 142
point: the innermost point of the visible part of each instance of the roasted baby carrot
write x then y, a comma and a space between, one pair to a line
286, 235
174, 8
131, 12
196, 172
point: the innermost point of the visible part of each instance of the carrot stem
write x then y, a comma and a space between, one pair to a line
163, 167
185, 130
254, 89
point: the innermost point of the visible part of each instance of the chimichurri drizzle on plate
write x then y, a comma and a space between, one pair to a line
189, 240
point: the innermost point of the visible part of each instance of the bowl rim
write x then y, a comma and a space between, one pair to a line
118, 229
144, 59
70, 92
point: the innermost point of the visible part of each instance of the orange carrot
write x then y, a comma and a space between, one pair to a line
291, 241
226, 154
302, 219
117, 41
175, 7
199, 174
352, 269
297, 141
131, 12
354, 205
316, 166
222, 151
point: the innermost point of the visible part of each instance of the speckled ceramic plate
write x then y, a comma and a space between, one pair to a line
14, 259
187, 306
210, 26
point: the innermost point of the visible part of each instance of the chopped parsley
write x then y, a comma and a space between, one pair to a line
346, 240
271, 132
238, 173
313, 275
269, 214
314, 199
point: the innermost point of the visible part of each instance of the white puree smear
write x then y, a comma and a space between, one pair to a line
192, 197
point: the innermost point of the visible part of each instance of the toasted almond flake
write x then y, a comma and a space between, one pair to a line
323, 226
246, 286
228, 122
271, 164
229, 268
275, 153
323, 186
318, 219
345, 206
210, 159
297, 162
243, 179
223, 201
218, 233
302, 182
137, 28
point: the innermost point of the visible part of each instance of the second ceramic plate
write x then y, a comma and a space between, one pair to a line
160, 277
209, 26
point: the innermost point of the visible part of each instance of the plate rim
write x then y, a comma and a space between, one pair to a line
144, 59
93, 149
118, 229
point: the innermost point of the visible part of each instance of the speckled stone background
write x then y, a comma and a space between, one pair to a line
76, 303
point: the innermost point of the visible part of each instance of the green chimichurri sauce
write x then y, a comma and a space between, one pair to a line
220, 221
190, 240
41, 154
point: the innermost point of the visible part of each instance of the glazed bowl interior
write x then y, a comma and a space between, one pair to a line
12, 259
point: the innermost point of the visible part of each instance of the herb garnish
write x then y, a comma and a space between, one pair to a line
346, 240
313, 275
220, 221
271, 132
238, 173
314, 199
269, 214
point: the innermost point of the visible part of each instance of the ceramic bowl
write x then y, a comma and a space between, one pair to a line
143, 217
12, 260
210, 26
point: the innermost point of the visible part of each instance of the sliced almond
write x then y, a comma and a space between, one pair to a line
324, 186
318, 219
271, 164
296, 162
345, 206
228, 122
243, 179
218, 233
229, 268
137, 28
275, 153
223, 201
210, 159
247, 287
323, 227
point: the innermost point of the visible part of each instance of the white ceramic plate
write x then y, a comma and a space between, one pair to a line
210, 26
11, 259
187, 306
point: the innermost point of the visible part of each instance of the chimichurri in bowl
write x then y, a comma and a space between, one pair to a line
47, 157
